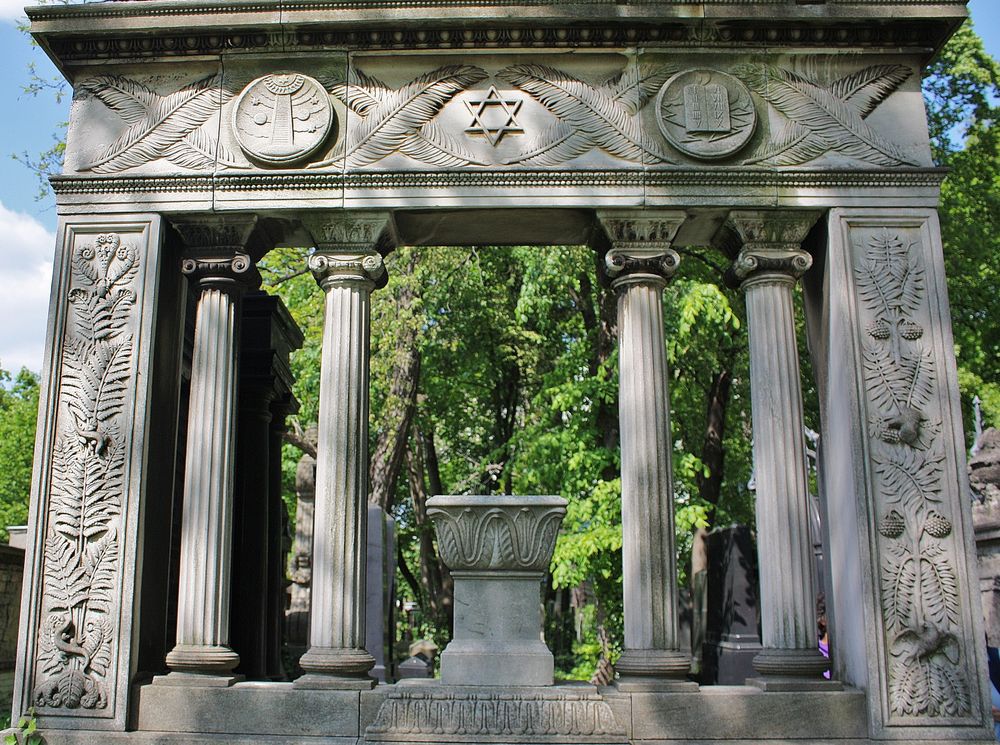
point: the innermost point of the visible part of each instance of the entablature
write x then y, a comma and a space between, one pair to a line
153, 29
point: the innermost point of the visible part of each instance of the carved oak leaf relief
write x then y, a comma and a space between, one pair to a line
400, 120
167, 126
918, 581
589, 117
824, 119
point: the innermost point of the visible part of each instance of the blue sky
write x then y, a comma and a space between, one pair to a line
27, 224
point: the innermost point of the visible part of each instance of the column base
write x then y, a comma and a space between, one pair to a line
326, 681
642, 670
336, 667
197, 680
791, 663
789, 684
202, 659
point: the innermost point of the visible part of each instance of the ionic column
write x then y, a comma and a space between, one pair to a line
217, 262
767, 268
346, 265
640, 262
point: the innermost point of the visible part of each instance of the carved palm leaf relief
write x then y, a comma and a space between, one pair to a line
167, 126
589, 117
918, 580
825, 119
81, 555
399, 120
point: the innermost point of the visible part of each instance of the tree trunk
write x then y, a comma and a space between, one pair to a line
712, 452
397, 414
435, 580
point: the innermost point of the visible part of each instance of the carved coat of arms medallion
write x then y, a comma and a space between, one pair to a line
706, 114
283, 118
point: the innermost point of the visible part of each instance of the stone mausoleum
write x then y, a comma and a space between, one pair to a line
787, 135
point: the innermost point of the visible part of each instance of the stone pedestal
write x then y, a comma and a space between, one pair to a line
498, 550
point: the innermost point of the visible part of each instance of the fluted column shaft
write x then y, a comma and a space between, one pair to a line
640, 263
337, 656
650, 581
768, 267
206, 530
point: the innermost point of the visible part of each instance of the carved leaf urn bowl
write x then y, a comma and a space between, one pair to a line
513, 533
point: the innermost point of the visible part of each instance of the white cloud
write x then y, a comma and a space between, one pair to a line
25, 277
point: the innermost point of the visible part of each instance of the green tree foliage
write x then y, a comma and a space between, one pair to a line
18, 411
961, 89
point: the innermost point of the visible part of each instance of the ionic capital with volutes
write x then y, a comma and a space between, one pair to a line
640, 245
348, 247
771, 244
216, 251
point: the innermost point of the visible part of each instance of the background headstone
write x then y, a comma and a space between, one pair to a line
732, 637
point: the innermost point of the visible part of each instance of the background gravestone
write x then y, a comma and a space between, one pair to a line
732, 637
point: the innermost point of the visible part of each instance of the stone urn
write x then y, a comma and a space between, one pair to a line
498, 549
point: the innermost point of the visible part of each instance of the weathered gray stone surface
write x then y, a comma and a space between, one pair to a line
468, 714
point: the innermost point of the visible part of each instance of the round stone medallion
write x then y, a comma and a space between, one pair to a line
283, 118
706, 114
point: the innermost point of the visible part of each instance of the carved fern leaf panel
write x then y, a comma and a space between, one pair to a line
88, 498
166, 121
401, 115
867, 88
833, 118
600, 115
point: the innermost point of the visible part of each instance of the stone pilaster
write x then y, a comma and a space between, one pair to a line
221, 270
640, 262
347, 267
768, 266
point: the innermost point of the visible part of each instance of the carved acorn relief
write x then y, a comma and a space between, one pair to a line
283, 118
918, 578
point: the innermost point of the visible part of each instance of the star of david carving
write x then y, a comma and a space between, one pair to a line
494, 116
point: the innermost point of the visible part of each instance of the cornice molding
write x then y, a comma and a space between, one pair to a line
709, 177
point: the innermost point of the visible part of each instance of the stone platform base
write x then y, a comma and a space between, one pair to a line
278, 714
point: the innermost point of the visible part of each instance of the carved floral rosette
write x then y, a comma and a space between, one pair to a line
918, 574
496, 532
82, 561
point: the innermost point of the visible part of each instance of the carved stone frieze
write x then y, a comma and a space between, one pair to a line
822, 119
82, 560
400, 119
706, 114
589, 117
514, 533
168, 126
283, 118
921, 604
480, 715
